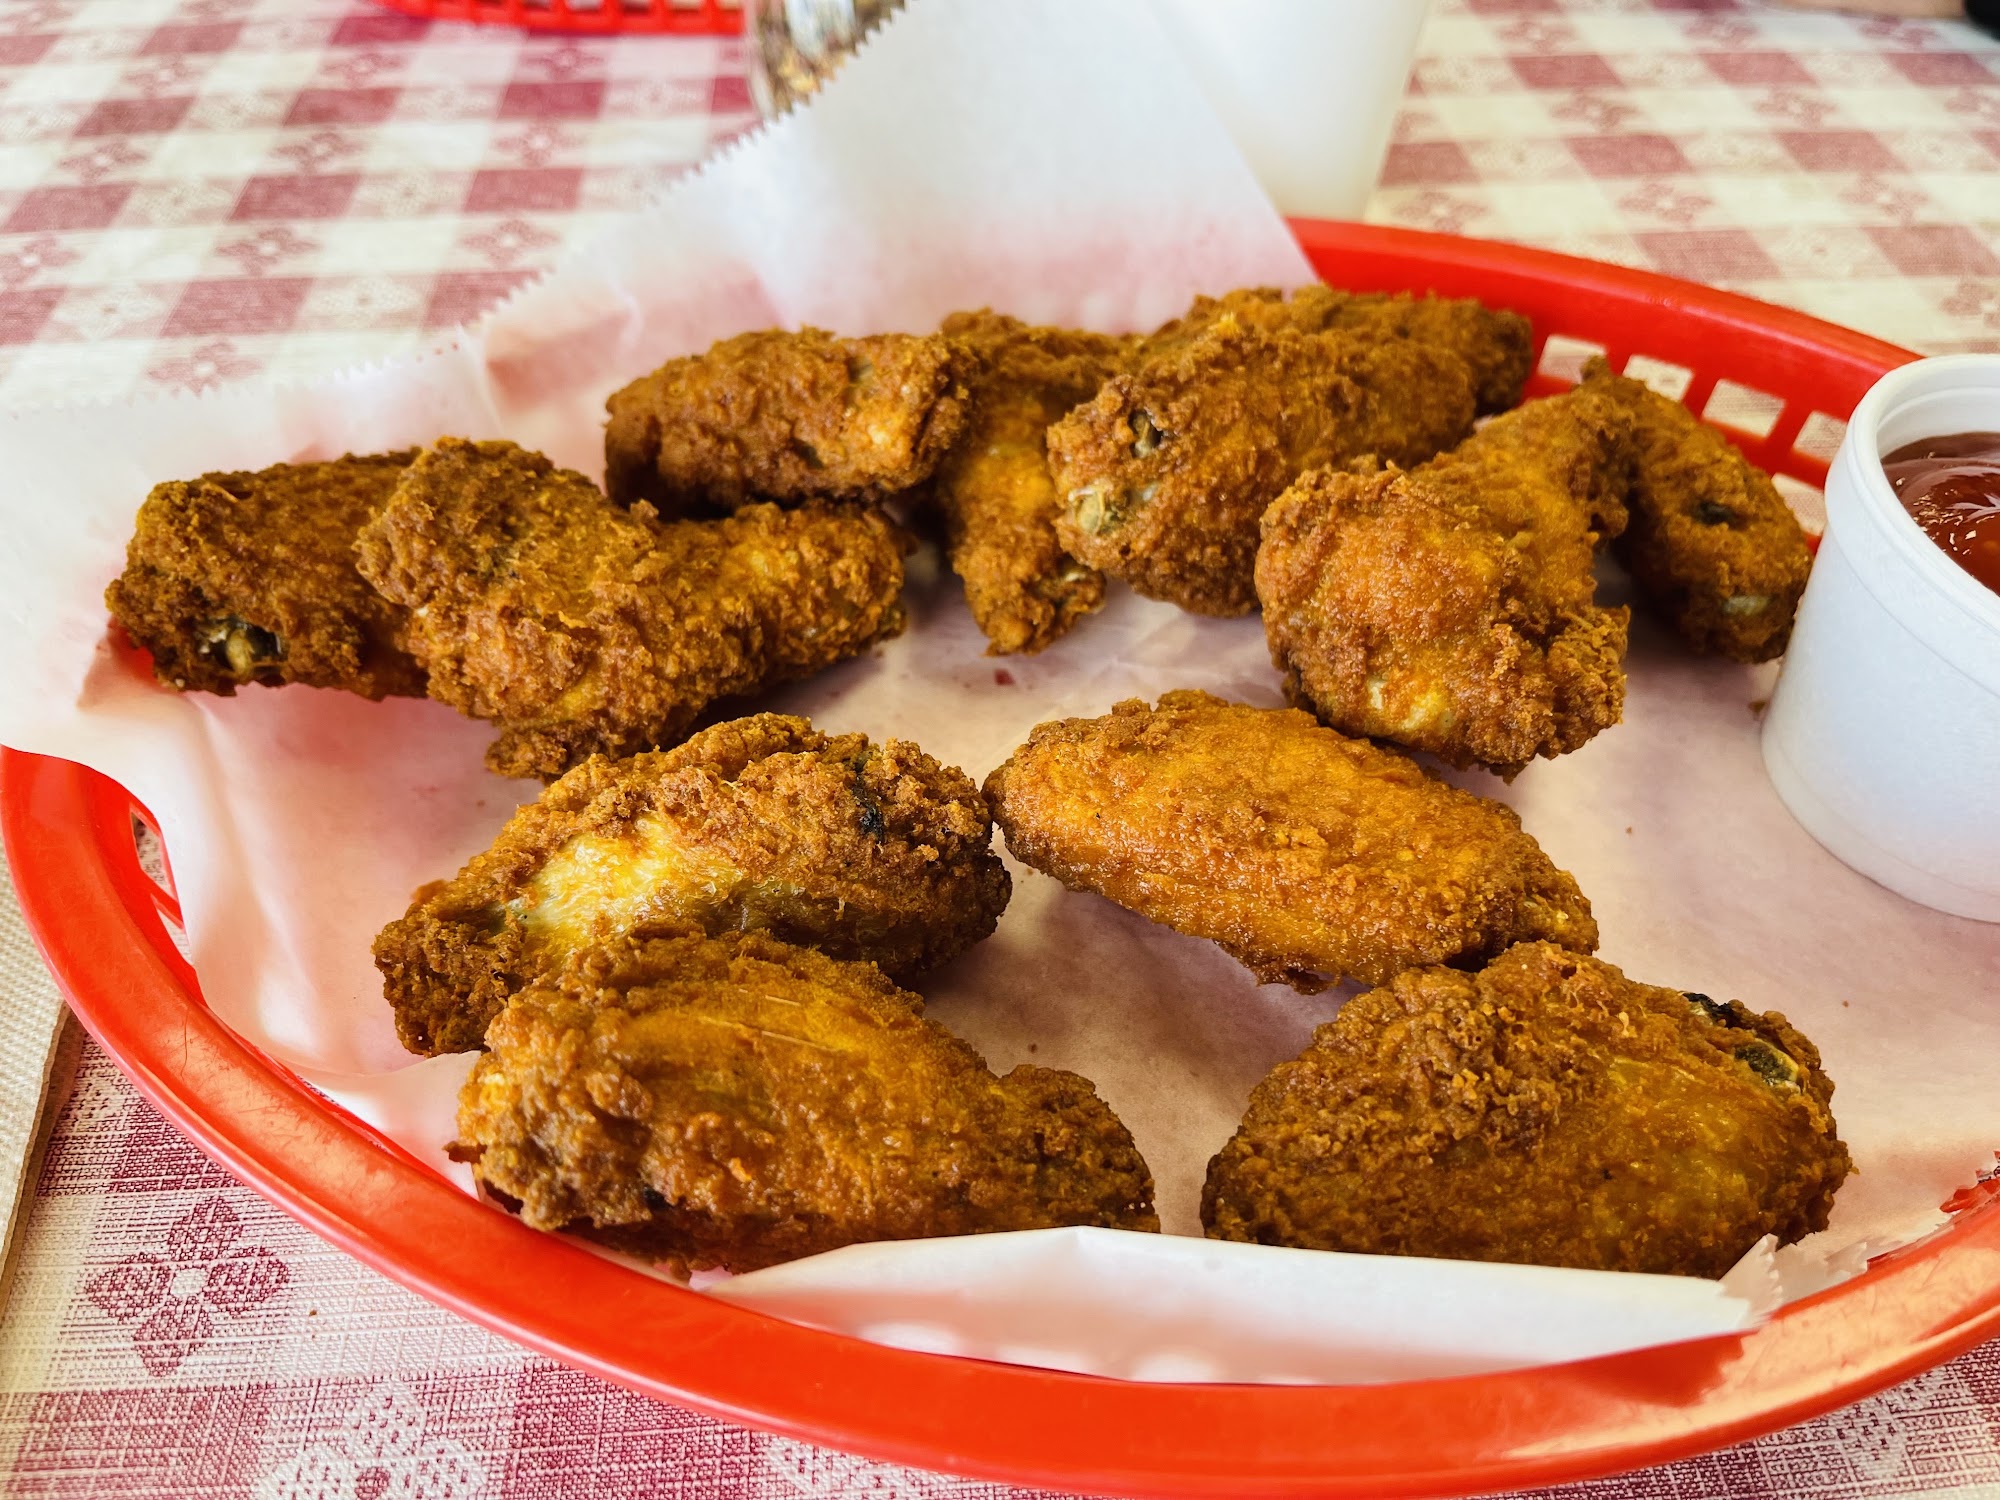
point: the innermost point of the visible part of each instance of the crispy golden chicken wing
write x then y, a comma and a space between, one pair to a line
249, 577
863, 851
994, 489
787, 417
1452, 608
1498, 346
1712, 545
737, 1102
1546, 1110
583, 629
1305, 855
1164, 475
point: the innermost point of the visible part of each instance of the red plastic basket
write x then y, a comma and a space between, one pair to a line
598, 18
98, 919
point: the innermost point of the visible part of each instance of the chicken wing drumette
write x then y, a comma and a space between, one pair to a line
249, 577
1712, 545
863, 851
1452, 608
1546, 1110
1164, 475
1497, 346
994, 490
1305, 855
584, 629
737, 1102
786, 417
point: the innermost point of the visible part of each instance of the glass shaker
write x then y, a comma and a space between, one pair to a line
796, 45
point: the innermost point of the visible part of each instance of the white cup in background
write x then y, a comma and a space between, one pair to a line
1883, 737
1308, 89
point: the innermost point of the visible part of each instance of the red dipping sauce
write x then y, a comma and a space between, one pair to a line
1951, 486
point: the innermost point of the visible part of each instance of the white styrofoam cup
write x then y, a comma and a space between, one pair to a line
1883, 737
1307, 89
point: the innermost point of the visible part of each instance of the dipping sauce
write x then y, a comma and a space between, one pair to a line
1951, 486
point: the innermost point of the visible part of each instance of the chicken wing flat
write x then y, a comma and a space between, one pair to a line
249, 577
994, 490
763, 824
1546, 1110
1497, 346
1164, 475
1713, 546
737, 1102
583, 629
1453, 608
1305, 855
787, 417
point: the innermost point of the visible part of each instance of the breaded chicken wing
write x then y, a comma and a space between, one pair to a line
582, 629
1164, 475
737, 1102
1546, 1110
863, 851
1712, 545
787, 417
994, 490
1305, 855
249, 577
1453, 608
1498, 346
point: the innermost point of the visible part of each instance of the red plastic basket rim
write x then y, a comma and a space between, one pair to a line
601, 18
95, 917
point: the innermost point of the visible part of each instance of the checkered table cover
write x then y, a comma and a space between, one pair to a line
194, 191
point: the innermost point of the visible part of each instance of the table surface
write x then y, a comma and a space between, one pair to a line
194, 191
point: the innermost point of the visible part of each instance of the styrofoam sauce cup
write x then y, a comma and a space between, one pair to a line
1883, 737
1307, 89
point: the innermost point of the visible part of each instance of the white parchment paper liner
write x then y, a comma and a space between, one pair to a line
1050, 159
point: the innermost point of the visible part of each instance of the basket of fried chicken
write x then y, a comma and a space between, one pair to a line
689, 966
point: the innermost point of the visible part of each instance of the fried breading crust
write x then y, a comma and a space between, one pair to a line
582, 629
1546, 1110
1164, 475
737, 1102
1497, 345
1305, 855
994, 490
249, 577
864, 851
1713, 546
1453, 608
787, 417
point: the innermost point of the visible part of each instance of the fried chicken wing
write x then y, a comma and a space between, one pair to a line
1452, 608
994, 490
1164, 475
1712, 545
737, 1102
787, 417
249, 577
1546, 1110
583, 629
763, 824
1497, 346
1305, 855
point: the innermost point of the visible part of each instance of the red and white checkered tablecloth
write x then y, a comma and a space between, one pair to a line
203, 190
194, 191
